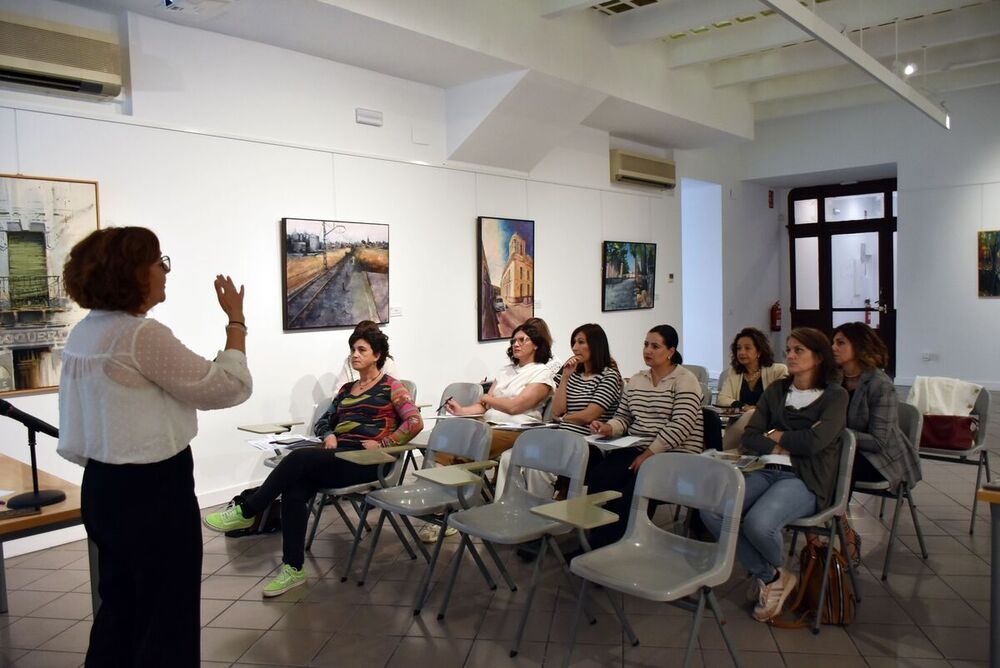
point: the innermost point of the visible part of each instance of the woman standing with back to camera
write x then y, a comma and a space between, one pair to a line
127, 400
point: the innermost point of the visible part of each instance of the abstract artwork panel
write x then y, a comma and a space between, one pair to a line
989, 263
41, 219
506, 275
627, 275
336, 273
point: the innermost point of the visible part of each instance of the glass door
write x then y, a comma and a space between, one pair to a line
843, 247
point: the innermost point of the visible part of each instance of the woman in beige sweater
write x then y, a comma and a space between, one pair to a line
752, 369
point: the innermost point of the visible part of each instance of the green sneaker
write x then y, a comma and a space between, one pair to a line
228, 520
287, 578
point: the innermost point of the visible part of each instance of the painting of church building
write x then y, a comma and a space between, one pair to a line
40, 221
506, 275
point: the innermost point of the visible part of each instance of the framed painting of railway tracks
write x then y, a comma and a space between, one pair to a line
335, 273
41, 219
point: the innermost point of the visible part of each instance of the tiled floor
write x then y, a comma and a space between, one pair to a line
928, 614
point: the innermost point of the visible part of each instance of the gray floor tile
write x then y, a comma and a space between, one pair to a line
62, 580
43, 659
252, 615
959, 643
74, 639
496, 654
226, 644
67, 606
351, 650
892, 640
286, 648
437, 652
229, 587
32, 632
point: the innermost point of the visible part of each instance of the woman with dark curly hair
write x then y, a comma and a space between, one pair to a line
752, 369
372, 412
128, 397
884, 453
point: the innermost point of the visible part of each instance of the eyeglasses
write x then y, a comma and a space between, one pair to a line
165, 263
521, 340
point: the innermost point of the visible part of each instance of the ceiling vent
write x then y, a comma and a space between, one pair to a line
646, 170
59, 57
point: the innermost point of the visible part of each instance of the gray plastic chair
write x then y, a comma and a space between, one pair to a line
656, 565
701, 373
830, 520
465, 394
411, 387
910, 422
722, 379
977, 455
459, 437
509, 520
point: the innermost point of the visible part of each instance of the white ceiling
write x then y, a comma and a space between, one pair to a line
735, 50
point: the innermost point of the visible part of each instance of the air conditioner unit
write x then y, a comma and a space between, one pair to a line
646, 170
55, 56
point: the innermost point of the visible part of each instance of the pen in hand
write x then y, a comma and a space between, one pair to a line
443, 404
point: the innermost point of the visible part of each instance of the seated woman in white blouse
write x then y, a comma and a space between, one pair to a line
127, 400
519, 391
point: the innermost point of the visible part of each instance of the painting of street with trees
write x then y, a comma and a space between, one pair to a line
629, 269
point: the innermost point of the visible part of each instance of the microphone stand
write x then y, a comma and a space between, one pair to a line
36, 498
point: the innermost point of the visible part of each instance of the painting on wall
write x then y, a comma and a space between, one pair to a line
40, 221
989, 263
506, 275
627, 275
335, 273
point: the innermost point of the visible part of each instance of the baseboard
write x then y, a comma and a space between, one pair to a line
44, 541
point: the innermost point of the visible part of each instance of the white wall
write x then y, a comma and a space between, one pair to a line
701, 240
949, 189
215, 180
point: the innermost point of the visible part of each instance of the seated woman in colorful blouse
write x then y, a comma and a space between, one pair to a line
587, 388
372, 412
796, 431
752, 369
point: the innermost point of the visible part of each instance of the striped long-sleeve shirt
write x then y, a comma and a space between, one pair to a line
666, 416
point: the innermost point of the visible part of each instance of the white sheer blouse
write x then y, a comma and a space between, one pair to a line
129, 390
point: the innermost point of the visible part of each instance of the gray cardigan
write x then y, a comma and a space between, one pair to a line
873, 415
811, 435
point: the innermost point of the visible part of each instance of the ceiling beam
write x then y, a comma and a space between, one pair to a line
660, 21
967, 24
765, 33
970, 77
824, 32
554, 8
939, 59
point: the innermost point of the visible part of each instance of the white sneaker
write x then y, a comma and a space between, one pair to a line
429, 532
773, 595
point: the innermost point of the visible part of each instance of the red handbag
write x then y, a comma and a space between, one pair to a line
949, 432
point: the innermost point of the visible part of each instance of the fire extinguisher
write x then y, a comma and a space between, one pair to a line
776, 317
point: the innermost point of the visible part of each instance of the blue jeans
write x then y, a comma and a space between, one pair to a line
773, 498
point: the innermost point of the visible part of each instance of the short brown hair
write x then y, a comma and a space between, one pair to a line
108, 269
759, 342
819, 345
533, 332
869, 349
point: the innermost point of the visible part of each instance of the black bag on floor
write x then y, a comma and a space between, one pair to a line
267, 521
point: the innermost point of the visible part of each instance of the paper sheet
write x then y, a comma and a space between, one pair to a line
605, 443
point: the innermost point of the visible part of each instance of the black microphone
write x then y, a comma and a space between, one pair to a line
29, 421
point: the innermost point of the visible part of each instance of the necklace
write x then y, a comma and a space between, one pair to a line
362, 385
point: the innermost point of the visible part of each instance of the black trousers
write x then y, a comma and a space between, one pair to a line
145, 522
612, 473
296, 479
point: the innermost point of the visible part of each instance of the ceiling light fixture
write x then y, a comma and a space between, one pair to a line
909, 69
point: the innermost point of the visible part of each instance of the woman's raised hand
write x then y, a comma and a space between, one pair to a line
571, 364
230, 299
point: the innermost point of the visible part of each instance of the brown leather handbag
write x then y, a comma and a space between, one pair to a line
839, 606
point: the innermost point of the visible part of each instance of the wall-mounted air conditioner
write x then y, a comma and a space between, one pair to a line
55, 56
646, 170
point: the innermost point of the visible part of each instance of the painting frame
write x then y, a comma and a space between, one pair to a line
318, 295
41, 219
615, 276
501, 308
988, 264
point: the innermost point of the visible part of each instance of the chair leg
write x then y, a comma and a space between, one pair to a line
347, 520
358, 502
416, 538
622, 619
576, 623
354, 547
916, 522
372, 544
892, 531
975, 496
695, 625
456, 563
851, 571
721, 621
564, 565
536, 572
795, 539
826, 569
499, 562
986, 464
881, 508
490, 582
401, 537
425, 584
317, 511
